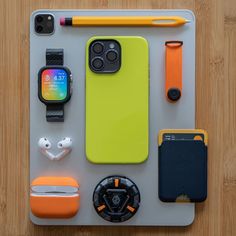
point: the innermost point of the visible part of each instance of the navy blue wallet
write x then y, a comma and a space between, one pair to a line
182, 166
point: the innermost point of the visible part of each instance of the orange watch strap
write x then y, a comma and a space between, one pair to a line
173, 83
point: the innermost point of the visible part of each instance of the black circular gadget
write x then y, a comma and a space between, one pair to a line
54, 85
174, 94
116, 198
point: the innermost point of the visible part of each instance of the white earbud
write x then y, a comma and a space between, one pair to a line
65, 144
44, 143
44, 146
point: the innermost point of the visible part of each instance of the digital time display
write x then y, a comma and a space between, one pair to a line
54, 84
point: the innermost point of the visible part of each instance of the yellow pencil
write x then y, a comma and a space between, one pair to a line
150, 21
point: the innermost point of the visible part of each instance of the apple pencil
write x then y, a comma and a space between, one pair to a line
151, 21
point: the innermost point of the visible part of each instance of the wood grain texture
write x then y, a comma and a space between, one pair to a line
216, 112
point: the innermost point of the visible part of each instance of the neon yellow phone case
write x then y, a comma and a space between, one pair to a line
117, 106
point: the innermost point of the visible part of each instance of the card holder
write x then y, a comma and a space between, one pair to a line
183, 170
54, 197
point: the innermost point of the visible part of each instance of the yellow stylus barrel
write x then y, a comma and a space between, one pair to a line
151, 21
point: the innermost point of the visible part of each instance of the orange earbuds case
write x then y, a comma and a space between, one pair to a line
54, 197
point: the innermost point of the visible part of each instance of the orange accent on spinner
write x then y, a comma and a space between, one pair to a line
100, 208
116, 183
130, 208
173, 81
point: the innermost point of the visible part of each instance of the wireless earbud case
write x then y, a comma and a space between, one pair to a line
54, 197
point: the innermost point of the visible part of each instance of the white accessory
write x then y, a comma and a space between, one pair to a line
65, 145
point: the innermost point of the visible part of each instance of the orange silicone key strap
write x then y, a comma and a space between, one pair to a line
173, 83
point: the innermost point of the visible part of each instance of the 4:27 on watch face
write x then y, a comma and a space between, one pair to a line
54, 84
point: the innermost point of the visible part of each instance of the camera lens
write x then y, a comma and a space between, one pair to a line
97, 63
97, 47
111, 55
49, 24
39, 29
39, 19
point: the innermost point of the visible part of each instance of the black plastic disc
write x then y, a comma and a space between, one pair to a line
174, 94
116, 198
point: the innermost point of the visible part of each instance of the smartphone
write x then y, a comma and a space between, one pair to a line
117, 99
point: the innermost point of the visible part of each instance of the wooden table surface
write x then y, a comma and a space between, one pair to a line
215, 107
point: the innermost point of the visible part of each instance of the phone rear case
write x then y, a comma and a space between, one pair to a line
117, 106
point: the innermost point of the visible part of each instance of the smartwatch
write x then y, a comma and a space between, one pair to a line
54, 85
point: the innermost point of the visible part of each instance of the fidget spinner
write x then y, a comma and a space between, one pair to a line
116, 198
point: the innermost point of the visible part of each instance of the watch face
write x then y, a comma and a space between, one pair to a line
54, 84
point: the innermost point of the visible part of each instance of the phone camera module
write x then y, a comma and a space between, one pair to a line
44, 24
104, 56
97, 63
